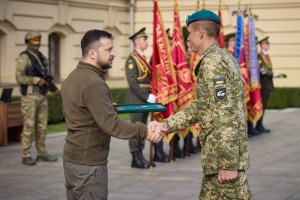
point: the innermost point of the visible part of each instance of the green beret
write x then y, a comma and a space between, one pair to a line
202, 15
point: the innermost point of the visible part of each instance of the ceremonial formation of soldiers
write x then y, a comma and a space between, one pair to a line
138, 76
87, 143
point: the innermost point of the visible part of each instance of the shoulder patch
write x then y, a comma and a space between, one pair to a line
220, 88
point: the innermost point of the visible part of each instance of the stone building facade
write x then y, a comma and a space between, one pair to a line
62, 24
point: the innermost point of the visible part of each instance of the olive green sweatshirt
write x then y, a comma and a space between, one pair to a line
91, 118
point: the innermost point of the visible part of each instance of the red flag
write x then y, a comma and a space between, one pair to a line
181, 66
164, 83
193, 61
221, 35
184, 83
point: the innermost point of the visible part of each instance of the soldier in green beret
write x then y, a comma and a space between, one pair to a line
220, 109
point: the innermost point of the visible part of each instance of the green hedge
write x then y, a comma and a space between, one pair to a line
280, 98
284, 97
55, 114
119, 95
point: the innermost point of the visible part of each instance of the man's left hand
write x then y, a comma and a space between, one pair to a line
226, 176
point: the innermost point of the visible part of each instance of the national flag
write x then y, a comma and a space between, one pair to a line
164, 83
181, 66
241, 56
254, 106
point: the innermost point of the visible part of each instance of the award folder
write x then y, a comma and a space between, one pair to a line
140, 108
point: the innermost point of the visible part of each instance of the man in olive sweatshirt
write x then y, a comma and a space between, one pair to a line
92, 120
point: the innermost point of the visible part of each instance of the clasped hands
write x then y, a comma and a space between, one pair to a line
156, 131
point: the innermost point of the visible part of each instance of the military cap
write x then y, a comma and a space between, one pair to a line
229, 37
140, 33
265, 39
202, 15
168, 33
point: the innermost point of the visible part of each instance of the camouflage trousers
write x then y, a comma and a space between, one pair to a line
35, 117
213, 189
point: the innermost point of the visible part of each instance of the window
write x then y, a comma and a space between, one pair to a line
54, 52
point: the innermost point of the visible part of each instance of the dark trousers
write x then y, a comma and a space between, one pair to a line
135, 144
86, 182
265, 95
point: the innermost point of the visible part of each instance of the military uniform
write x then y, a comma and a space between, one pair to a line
34, 103
219, 108
138, 77
266, 80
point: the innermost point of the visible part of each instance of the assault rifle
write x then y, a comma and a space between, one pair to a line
48, 78
44, 74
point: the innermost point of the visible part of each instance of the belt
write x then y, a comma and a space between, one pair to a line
211, 175
31, 89
144, 85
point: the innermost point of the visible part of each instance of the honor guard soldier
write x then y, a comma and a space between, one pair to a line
138, 73
230, 43
266, 79
230, 48
31, 64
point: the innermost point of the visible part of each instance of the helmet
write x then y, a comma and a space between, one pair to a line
31, 35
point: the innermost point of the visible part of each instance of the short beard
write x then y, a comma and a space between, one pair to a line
104, 65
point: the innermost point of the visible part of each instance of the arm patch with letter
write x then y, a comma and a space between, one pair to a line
220, 88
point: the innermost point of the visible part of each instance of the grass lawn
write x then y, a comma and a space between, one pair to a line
61, 127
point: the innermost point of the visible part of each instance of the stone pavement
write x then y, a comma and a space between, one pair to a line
274, 173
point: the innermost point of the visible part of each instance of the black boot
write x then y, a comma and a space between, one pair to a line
159, 154
189, 142
137, 162
145, 161
178, 153
251, 131
259, 126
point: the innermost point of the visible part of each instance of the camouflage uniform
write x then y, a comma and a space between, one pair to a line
34, 107
220, 110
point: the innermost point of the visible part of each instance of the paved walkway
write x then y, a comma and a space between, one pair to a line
274, 173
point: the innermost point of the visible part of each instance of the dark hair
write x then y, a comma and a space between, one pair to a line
211, 27
91, 38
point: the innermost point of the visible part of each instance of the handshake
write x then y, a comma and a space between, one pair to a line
156, 131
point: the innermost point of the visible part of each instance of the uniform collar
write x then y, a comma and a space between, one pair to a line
264, 52
209, 49
84, 65
140, 52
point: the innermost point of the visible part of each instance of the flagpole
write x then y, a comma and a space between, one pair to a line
153, 79
131, 22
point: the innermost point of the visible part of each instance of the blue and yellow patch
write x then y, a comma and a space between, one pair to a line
220, 88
